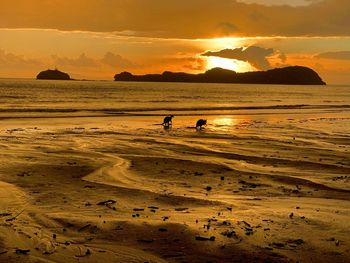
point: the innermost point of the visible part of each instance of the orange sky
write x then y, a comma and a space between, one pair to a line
94, 39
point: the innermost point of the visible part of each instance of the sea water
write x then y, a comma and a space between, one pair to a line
321, 107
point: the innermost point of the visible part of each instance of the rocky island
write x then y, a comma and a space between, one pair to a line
295, 75
53, 75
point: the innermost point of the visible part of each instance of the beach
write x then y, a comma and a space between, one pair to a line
89, 174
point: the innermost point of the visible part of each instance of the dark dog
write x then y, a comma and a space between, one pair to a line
200, 123
168, 121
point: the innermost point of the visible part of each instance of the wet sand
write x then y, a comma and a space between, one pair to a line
119, 189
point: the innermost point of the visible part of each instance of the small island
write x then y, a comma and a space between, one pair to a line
53, 75
294, 75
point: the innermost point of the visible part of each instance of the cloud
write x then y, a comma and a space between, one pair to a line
81, 61
256, 56
226, 28
339, 55
280, 2
282, 57
194, 64
115, 60
8, 59
182, 18
109, 59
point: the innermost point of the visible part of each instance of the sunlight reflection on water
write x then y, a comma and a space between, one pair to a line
225, 123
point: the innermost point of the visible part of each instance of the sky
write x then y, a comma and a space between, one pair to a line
95, 39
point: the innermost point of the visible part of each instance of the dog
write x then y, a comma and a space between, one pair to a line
200, 123
168, 121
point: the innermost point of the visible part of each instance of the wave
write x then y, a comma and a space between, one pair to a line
126, 110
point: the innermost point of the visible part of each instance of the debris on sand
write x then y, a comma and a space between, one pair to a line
332, 239
180, 209
22, 251
277, 245
291, 215
23, 174
107, 202
15, 217
138, 209
153, 207
249, 231
246, 223
248, 184
5, 214
84, 227
87, 253
208, 188
202, 238
226, 223
296, 242
248, 228
229, 233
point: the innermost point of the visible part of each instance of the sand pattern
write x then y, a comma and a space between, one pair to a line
95, 192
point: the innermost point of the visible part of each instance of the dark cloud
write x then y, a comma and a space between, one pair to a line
181, 18
256, 56
339, 55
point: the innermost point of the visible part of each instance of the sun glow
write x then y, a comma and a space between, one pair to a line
226, 121
231, 64
216, 62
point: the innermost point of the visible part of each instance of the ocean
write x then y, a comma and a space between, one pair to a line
323, 105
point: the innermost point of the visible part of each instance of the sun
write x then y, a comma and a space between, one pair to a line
216, 62
231, 64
